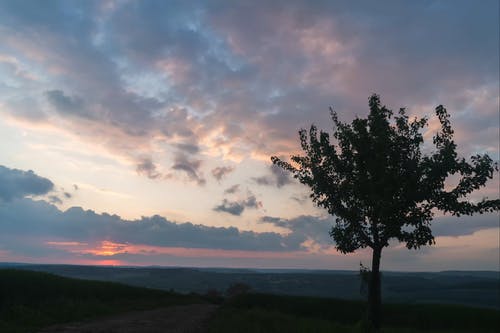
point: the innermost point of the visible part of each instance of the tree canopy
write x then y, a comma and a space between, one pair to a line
377, 180
379, 184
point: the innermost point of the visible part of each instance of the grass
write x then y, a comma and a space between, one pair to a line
32, 300
260, 320
263, 313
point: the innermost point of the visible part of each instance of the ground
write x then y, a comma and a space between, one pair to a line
179, 319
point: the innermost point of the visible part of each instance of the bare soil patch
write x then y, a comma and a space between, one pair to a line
179, 319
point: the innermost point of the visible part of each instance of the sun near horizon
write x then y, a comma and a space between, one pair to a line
140, 133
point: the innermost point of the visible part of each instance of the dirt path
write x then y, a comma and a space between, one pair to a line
178, 319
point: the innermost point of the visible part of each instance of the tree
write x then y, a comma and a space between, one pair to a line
377, 182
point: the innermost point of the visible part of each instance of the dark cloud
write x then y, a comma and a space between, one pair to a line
237, 207
141, 70
148, 168
307, 226
40, 220
220, 172
233, 189
184, 161
263, 180
18, 183
26, 108
281, 176
252, 202
277, 177
300, 198
41, 17
67, 195
452, 226
28, 227
66, 104
318, 228
188, 147
273, 220
231, 207
191, 167
55, 199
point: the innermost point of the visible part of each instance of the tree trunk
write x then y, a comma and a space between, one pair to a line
374, 292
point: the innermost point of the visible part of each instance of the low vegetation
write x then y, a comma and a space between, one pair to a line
272, 313
31, 300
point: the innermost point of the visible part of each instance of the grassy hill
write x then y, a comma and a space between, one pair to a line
264, 313
31, 300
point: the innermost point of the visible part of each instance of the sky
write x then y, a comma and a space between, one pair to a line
140, 132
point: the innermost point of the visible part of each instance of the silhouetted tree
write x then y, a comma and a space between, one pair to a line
364, 279
380, 186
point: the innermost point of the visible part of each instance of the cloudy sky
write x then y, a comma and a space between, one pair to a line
139, 132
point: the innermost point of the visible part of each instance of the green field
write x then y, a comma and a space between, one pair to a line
31, 300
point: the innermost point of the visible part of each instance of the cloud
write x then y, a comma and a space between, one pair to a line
310, 227
55, 199
32, 231
277, 177
174, 81
263, 180
251, 202
281, 176
147, 167
220, 172
233, 189
64, 103
142, 73
25, 220
25, 108
188, 147
300, 198
317, 228
237, 207
191, 167
452, 226
231, 207
18, 183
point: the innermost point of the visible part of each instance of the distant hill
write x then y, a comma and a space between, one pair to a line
476, 288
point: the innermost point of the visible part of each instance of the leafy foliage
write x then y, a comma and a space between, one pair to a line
379, 184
